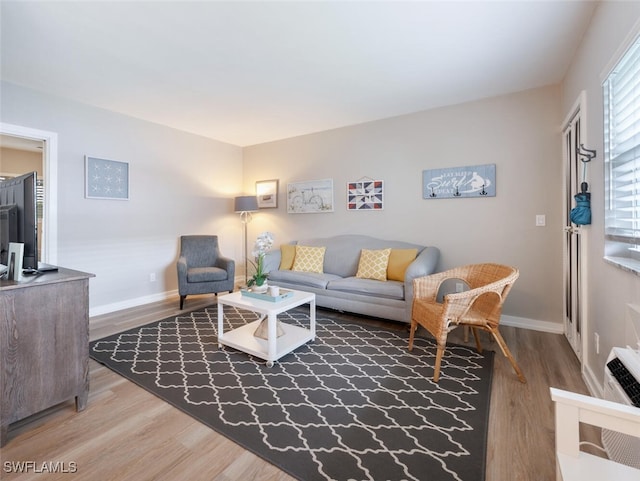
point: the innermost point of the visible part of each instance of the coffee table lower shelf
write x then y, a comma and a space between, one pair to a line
242, 338
274, 348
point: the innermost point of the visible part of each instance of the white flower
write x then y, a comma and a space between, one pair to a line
264, 242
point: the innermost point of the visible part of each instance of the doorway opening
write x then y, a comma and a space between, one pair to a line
17, 135
574, 241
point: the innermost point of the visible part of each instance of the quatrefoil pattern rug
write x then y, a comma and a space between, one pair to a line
352, 405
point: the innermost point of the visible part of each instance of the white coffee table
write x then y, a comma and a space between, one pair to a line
273, 348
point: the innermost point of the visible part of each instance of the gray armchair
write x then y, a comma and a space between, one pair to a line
201, 267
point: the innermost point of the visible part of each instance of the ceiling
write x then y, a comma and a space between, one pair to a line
20, 143
252, 72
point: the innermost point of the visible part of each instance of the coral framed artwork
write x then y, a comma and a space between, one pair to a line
365, 194
106, 179
267, 194
459, 182
310, 197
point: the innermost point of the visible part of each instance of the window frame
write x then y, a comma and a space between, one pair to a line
622, 221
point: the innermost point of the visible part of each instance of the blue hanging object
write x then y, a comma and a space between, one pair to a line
581, 213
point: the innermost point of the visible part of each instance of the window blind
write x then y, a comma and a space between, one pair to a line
622, 148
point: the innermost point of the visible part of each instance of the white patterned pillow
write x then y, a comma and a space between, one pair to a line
373, 264
308, 259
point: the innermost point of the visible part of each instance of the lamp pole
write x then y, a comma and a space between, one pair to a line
245, 205
245, 217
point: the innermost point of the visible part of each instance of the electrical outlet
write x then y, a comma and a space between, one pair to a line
459, 287
541, 220
596, 337
152, 277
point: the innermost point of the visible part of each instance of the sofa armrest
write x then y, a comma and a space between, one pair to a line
227, 264
182, 274
182, 266
272, 260
423, 265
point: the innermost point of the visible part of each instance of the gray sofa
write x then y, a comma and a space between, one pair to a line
337, 287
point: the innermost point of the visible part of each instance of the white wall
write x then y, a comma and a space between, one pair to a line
520, 133
610, 289
179, 184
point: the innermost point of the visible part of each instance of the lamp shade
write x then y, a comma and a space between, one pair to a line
246, 203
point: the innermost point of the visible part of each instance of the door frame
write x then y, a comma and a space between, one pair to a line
50, 169
579, 108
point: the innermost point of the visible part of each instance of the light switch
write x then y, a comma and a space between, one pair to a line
541, 220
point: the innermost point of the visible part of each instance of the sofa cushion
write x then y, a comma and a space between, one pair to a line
308, 259
373, 264
343, 251
399, 260
390, 289
206, 274
287, 254
308, 279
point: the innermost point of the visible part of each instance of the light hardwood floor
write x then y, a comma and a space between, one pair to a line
126, 433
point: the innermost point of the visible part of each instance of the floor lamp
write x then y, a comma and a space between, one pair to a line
245, 205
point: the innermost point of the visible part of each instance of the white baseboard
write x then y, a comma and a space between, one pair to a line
129, 303
519, 322
533, 324
141, 301
590, 379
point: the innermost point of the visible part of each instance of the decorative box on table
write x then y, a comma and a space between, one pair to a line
284, 293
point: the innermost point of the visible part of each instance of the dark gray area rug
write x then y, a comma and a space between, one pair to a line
352, 405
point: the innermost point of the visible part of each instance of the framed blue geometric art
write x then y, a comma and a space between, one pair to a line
459, 182
106, 179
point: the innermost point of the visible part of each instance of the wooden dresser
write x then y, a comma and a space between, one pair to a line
44, 344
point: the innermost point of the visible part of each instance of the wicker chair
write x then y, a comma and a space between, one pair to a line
479, 307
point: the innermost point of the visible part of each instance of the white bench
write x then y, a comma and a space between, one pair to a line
575, 465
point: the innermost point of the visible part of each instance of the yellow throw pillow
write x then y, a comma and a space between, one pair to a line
399, 260
309, 259
373, 264
287, 254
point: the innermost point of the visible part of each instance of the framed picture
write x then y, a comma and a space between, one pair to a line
106, 179
459, 182
365, 194
267, 193
16, 253
310, 197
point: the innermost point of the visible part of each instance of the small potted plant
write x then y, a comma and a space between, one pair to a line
258, 281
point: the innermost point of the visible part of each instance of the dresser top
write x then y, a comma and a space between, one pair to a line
41, 278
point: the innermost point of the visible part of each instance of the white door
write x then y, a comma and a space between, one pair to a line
573, 235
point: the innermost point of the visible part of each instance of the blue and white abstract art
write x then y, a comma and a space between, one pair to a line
106, 179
